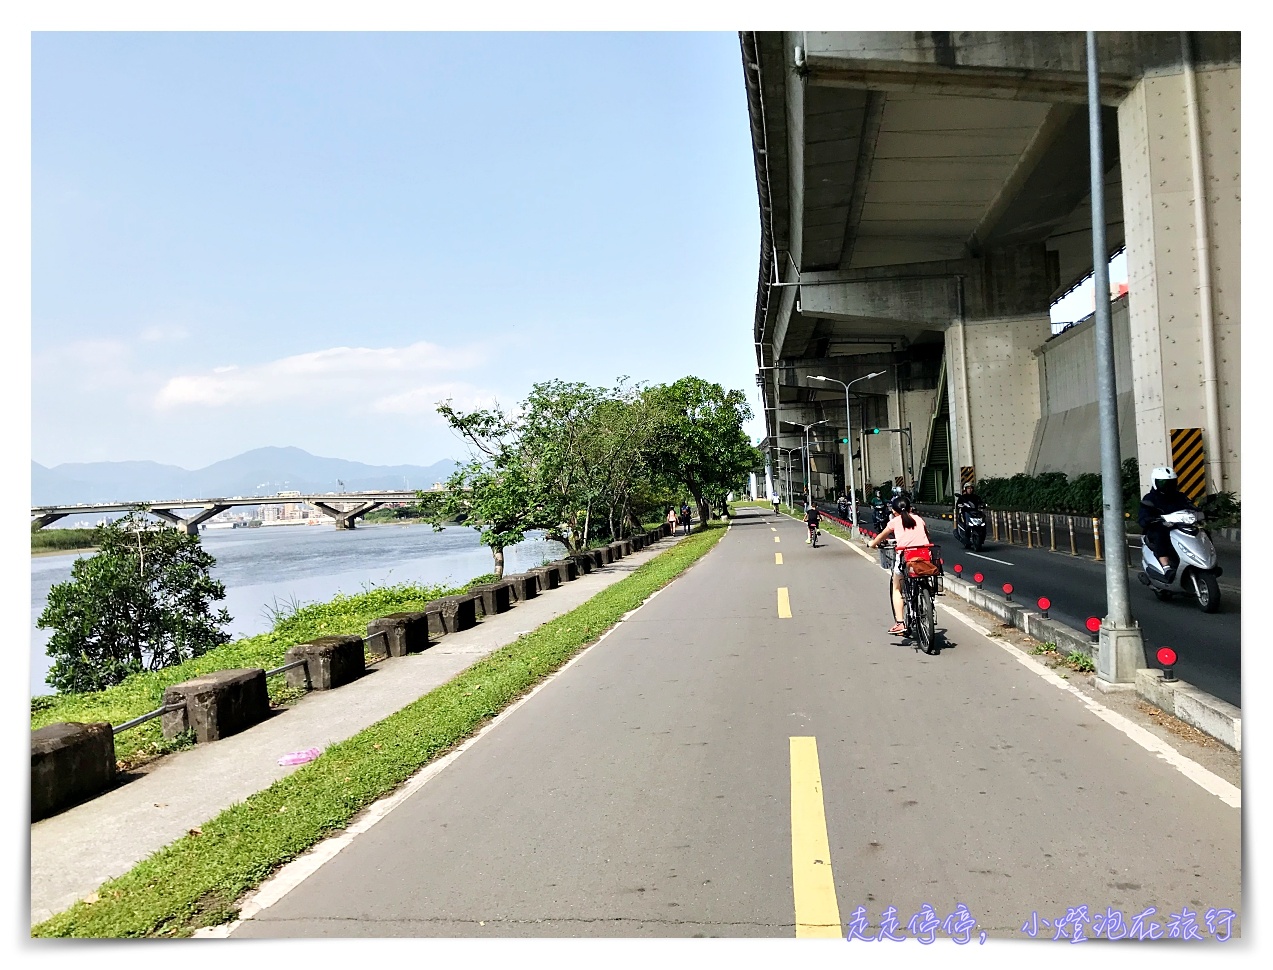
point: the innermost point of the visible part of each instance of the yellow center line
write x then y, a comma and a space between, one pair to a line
777, 539
777, 559
817, 911
784, 604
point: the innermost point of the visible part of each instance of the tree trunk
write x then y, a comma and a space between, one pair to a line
498, 553
704, 510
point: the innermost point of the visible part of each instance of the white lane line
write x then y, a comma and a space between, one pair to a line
1001, 562
1205, 779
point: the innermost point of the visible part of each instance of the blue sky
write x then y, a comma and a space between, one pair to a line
247, 239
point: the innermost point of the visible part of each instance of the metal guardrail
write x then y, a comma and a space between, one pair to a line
166, 709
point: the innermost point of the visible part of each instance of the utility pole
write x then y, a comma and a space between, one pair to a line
1121, 649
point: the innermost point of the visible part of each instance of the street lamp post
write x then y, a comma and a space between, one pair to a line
789, 452
808, 486
848, 436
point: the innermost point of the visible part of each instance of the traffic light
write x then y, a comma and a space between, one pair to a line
844, 441
875, 431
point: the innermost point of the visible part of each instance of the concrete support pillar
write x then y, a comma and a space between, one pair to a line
994, 391
1168, 327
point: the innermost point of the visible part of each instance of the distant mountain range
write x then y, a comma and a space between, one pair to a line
262, 471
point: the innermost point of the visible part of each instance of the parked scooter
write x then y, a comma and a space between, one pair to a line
970, 527
1195, 571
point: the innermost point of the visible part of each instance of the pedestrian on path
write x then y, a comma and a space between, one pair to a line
685, 519
774, 498
671, 521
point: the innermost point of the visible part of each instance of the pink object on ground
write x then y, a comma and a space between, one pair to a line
300, 757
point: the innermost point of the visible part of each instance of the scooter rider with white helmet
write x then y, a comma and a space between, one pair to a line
1163, 498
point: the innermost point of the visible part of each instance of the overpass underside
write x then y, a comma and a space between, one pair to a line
925, 199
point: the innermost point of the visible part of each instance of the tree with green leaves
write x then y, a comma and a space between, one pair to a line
500, 490
144, 601
700, 442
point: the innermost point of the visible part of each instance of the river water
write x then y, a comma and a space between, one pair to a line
281, 565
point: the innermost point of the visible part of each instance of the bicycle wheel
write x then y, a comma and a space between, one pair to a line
926, 619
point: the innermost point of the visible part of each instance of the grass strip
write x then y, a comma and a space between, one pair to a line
198, 879
296, 623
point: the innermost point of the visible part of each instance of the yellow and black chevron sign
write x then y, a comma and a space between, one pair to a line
965, 476
1190, 461
898, 481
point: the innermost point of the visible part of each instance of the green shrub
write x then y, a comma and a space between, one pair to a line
1055, 492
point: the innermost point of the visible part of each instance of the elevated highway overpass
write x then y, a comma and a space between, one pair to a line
344, 507
925, 200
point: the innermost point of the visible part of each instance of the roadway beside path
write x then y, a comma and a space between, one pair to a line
749, 754
1208, 645
74, 852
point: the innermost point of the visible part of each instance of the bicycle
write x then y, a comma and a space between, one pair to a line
920, 585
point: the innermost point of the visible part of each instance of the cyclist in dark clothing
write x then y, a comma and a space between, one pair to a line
1163, 498
812, 517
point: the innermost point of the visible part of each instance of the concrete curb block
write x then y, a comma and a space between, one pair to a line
1209, 714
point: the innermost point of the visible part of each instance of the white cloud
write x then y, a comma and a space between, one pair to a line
168, 333
425, 399
387, 377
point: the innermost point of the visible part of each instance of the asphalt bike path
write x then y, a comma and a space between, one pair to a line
713, 767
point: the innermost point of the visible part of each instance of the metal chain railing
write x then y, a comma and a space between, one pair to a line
382, 637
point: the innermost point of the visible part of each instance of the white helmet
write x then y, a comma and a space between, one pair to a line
1163, 479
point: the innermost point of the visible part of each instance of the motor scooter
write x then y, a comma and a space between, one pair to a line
1195, 570
970, 527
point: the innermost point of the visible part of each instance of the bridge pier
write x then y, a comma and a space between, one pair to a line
191, 525
345, 518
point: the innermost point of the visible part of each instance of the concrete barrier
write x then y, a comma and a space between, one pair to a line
525, 586
1208, 714
406, 632
548, 577
459, 612
598, 557
625, 547
330, 662
217, 705
496, 597
70, 762
583, 563
567, 570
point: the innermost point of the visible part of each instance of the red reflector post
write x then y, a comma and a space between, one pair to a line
1044, 604
1094, 627
1007, 590
977, 578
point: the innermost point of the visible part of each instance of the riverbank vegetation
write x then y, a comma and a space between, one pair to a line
143, 602
62, 540
588, 465
293, 623
200, 879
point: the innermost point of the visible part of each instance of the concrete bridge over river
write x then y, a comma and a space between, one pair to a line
345, 507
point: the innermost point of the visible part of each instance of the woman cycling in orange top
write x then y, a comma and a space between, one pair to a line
909, 532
